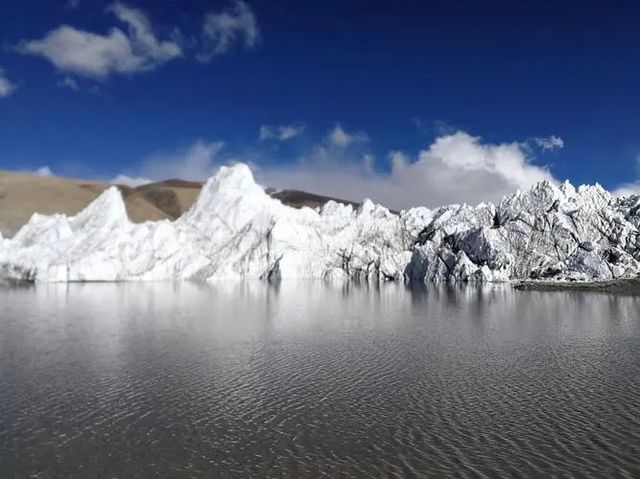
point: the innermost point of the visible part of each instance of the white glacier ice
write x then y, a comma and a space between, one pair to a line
236, 230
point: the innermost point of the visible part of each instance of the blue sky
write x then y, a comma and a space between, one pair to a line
406, 102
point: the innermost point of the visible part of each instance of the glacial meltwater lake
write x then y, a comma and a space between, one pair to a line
310, 380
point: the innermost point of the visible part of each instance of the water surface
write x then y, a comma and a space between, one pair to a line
308, 380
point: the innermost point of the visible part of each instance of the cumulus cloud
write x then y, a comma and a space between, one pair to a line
549, 143
95, 55
6, 87
456, 168
222, 31
342, 138
628, 189
280, 132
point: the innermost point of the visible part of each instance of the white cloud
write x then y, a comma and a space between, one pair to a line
97, 56
631, 188
456, 168
281, 132
72, 4
549, 143
69, 82
196, 162
221, 31
429, 126
628, 189
340, 137
6, 87
129, 181
368, 161
44, 171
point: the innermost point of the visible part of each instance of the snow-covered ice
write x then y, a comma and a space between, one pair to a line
236, 230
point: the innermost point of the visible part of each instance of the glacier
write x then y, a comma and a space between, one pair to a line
235, 230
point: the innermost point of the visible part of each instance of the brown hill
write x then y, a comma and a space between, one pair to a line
172, 197
22, 194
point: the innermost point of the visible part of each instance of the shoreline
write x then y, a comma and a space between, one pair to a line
627, 286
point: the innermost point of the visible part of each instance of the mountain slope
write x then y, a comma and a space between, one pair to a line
23, 194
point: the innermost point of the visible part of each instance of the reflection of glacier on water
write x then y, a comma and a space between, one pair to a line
304, 378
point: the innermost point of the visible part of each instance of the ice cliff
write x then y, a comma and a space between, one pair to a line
236, 230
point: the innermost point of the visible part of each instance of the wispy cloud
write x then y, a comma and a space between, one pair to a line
6, 87
69, 82
280, 132
196, 162
549, 143
72, 4
74, 51
224, 30
430, 126
342, 138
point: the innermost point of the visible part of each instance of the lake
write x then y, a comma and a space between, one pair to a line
309, 380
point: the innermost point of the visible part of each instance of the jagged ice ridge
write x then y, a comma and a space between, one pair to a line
236, 230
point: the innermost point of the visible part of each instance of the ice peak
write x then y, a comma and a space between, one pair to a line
545, 187
106, 210
567, 188
228, 184
367, 206
231, 194
235, 177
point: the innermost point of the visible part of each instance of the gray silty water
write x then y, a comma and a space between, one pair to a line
309, 380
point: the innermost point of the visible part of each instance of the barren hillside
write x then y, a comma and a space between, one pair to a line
22, 194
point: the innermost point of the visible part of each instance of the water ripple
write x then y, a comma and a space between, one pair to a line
310, 381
